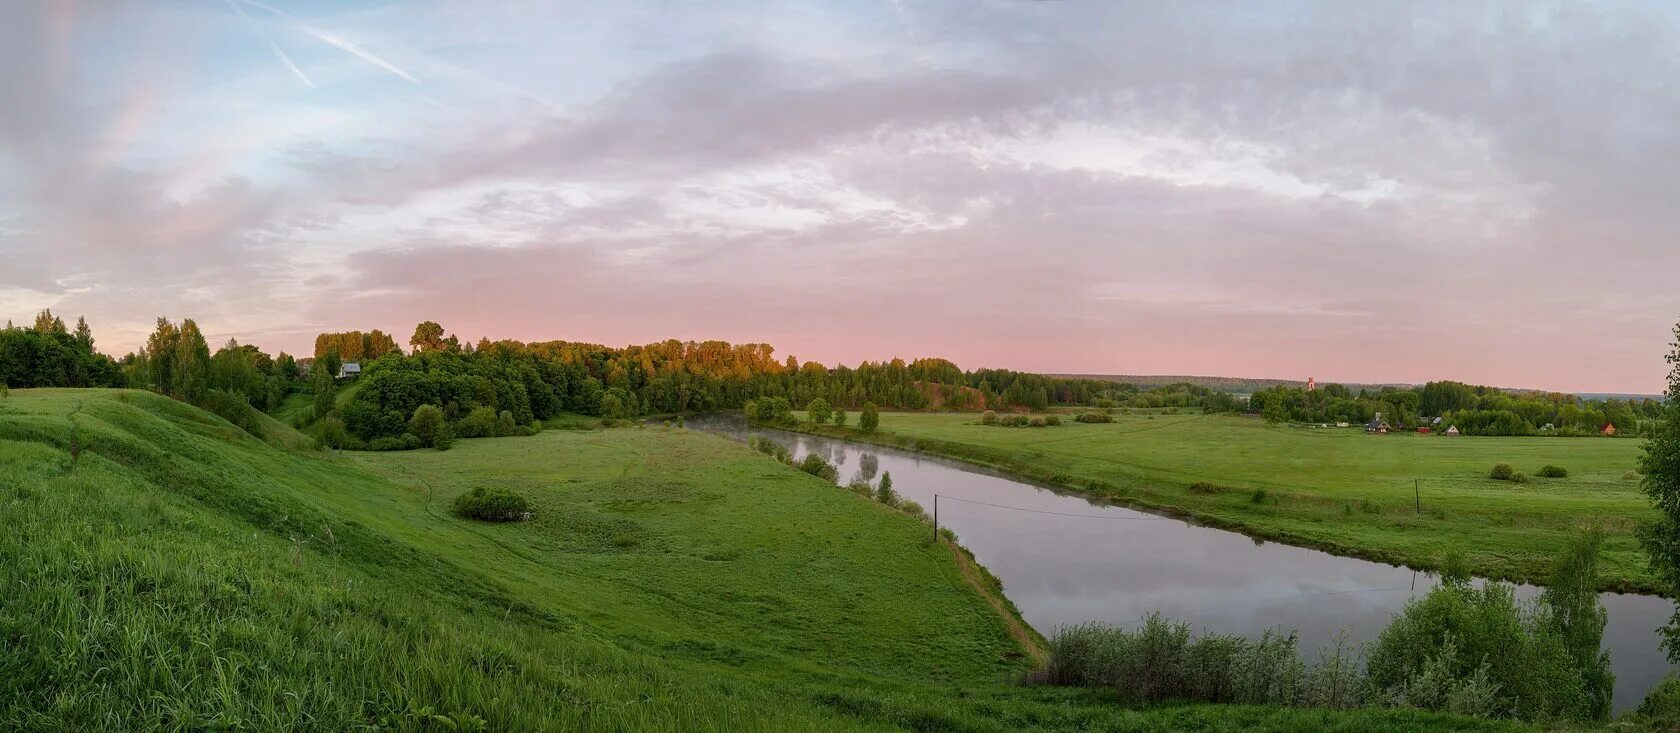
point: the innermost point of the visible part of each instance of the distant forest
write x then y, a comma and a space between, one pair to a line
498, 387
1474, 410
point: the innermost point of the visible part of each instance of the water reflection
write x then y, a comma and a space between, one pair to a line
1115, 565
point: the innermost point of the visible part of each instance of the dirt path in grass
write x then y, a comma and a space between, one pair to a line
1024, 637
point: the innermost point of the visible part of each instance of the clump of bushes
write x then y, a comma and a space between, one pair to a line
1261, 497
492, 504
1502, 472
1551, 471
1519, 478
818, 466
1461, 649
1019, 421
1203, 487
1092, 416
407, 441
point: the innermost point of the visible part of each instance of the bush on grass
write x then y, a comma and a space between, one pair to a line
492, 504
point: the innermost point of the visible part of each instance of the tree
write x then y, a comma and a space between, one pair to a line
869, 418
84, 335
1274, 412
46, 322
884, 492
1571, 602
428, 336
322, 381
1661, 464
818, 411
839, 418
611, 407
426, 424
192, 363
330, 363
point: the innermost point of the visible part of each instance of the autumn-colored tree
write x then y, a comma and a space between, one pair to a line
428, 336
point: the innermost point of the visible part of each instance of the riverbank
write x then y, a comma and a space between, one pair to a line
1401, 500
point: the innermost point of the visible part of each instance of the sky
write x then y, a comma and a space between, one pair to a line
1360, 192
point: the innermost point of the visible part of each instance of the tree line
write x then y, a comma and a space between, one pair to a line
1475, 409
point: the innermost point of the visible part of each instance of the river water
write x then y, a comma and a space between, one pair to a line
1066, 560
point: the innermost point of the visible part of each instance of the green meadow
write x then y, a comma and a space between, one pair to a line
1402, 498
162, 570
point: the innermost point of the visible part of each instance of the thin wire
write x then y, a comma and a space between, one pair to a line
1060, 514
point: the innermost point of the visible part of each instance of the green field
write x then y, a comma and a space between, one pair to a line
160, 569
1338, 488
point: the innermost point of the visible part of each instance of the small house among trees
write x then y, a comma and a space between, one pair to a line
1452, 430
1377, 425
349, 369
1607, 430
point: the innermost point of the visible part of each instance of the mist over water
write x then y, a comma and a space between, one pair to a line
1065, 560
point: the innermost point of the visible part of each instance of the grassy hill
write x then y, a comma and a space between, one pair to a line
161, 569
1338, 489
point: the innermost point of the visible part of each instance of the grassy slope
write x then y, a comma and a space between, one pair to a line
1322, 480
160, 569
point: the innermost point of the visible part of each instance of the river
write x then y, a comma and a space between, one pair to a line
1065, 560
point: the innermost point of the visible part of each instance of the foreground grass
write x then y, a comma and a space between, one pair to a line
1336, 489
160, 569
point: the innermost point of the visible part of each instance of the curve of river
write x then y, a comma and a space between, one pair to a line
1115, 565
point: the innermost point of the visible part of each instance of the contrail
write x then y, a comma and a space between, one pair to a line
332, 40
287, 60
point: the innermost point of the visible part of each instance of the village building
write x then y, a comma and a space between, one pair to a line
349, 369
1377, 425
1452, 430
1608, 429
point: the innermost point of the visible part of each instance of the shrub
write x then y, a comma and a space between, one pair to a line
1519, 478
232, 407
425, 424
1037, 422
1501, 472
1661, 708
1094, 417
818, 411
869, 418
884, 493
1014, 421
479, 423
1203, 487
492, 504
1052, 420
505, 425
1160, 661
1477, 650
1259, 497
330, 432
1551, 471
770, 448
408, 441
988, 418
445, 438
818, 466
839, 418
